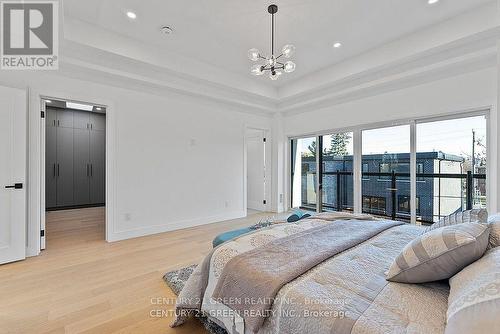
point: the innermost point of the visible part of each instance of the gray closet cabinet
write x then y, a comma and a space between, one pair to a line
75, 158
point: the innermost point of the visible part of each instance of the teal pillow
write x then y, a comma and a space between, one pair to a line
298, 215
226, 236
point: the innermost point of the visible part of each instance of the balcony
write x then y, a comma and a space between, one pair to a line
387, 195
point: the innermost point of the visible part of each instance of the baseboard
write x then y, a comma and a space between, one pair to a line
254, 205
178, 225
72, 207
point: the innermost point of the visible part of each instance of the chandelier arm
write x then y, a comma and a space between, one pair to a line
281, 55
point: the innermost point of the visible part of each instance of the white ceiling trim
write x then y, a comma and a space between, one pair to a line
470, 53
90, 72
433, 72
77, 32
445, 50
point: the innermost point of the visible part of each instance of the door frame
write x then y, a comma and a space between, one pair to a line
36, 155
16, 250
268, 173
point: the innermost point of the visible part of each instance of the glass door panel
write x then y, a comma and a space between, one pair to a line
452, 178
337, 172
386, 172
304, 173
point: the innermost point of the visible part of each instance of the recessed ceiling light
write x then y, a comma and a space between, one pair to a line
166, 30
131, 15
337, 45
432, 2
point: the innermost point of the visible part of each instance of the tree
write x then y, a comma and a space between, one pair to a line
312, 149
338, 147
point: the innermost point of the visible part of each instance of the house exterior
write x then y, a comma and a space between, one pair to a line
436, 197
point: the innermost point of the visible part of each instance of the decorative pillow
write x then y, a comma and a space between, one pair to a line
474, 298
494, 222
298, 215
440, 253
468, 216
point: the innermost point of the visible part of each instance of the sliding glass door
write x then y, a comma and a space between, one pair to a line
451, 161
386, 186
417, 172
304, 173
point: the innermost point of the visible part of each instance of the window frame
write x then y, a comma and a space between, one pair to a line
491, 187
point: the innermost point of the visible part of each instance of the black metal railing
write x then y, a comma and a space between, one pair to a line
342, 203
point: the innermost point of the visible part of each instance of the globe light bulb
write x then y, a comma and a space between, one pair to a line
272, 61
257, 70
253, 54
275, 75
289, 67
288, 50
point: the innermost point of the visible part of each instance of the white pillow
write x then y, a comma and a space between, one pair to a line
474, 301
494, 221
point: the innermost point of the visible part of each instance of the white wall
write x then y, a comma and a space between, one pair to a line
471, 90
179, 161
447, 96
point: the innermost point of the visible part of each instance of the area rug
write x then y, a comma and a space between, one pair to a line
176, 280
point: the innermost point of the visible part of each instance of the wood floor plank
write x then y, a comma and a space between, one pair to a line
82, 284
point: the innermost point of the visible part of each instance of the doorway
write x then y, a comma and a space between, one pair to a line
75, 172
256, 170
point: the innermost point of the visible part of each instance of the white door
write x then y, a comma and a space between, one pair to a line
256, 170
12, 174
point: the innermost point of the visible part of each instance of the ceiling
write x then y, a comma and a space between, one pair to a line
220, 32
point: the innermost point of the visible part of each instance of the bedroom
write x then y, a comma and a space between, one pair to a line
175, 80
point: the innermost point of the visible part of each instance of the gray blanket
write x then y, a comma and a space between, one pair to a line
251, 280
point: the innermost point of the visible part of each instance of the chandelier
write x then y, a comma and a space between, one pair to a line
272, 64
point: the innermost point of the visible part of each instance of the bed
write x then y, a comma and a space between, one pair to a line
324, 274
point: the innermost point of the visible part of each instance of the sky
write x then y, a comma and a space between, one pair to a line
449, 136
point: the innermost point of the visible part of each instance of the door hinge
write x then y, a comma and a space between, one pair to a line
264, 202
42, 233
42, 113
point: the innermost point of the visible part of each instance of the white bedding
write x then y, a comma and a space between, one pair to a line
346, 294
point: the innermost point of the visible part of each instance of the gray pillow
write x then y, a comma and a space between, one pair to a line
440, 253
494, 222
474, 298
468, 216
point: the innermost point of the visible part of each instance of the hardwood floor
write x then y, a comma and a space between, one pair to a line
82, 284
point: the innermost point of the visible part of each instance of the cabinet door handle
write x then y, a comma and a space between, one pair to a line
58, 170
91, 170
87, 170
57, 122
54, 170
54, 122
